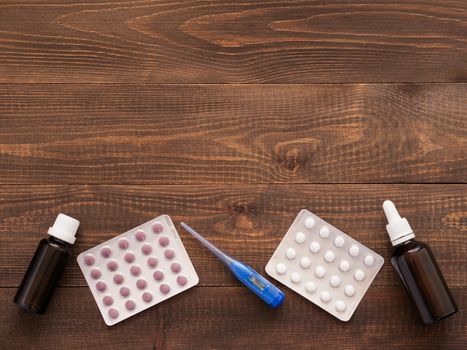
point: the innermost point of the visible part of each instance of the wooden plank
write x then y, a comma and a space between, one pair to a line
230, 317
73, 321
248, 221
235, 319
233, 42
185, 134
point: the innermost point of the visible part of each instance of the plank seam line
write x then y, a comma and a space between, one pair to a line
246, 84
199, 184
227, 286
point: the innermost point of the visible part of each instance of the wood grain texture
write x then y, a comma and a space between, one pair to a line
73, 321
248, 221
229, 41
233, 318
232, 116
191, 134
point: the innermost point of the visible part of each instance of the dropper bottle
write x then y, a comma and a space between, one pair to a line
47, 265
416, 266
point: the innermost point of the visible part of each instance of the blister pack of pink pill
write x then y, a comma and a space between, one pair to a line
137, 269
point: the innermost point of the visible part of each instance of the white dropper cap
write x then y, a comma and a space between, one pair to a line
398, 228
64, 228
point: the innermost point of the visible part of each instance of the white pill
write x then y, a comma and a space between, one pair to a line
359, 275
349, 290
305, 262
344, 266
334, 281
320, 271
310, 287
339, 305
369, 260
314, 247
354, 250
309, 222
339, 241
281, 269
329, 256
296, 277
290, 253
325, 296
324, 232
300, 237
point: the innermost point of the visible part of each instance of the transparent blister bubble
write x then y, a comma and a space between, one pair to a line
324, 265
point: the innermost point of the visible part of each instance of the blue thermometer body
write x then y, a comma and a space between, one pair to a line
267, 291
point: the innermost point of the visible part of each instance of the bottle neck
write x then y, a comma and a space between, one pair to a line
398, 239
403, 243
59, 242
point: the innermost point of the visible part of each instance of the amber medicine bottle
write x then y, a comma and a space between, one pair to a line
47, 265
416, 266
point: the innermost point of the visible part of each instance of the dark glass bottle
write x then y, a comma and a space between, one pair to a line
418, 270
47, 266
417, 267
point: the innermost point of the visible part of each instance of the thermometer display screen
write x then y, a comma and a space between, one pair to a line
257, 283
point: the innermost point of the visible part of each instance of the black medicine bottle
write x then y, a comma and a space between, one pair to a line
416, 266
47, 266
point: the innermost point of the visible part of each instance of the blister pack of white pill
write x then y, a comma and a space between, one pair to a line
137, 269
324, 265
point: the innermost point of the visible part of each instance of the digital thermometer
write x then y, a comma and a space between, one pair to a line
267, 291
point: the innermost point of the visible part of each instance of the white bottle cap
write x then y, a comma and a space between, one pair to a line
398, 228
64, 228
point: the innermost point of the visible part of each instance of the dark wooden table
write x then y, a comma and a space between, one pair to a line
232, 116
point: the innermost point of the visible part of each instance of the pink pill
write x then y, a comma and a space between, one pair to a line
157, 227
135, 270
169, 254
147, 297
108, 300
89, 260
123, 244
176, 267
130, 305
158, 275
164, 241
164, 288
182, 280
141, 284
113, 313
124, 291
152, 261
146, 249
118, 279
101, 286
140, 236
112, 265
106, 252
95, 274
129, 257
